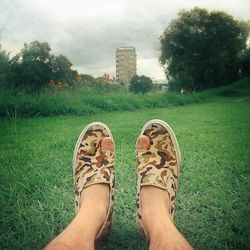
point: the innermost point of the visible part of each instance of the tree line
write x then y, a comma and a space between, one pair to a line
199, 50
35, 66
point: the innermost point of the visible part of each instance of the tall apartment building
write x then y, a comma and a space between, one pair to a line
125, 64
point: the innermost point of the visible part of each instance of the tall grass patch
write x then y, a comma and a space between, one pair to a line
83, 100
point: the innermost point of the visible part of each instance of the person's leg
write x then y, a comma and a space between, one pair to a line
156, 219
82, 231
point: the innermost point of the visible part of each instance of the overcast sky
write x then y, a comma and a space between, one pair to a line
89, 31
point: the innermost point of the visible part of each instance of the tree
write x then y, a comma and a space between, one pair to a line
61, 69
202, 49
5, 69
88, 79
140, 84
33, 65
245, 61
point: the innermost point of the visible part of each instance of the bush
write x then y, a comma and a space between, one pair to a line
140, 84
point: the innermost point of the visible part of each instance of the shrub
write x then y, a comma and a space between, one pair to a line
140, 84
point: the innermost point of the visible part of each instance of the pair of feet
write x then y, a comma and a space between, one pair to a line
93, 204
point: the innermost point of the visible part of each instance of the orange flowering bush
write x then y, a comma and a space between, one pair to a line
51, 83
106, 76
59, 84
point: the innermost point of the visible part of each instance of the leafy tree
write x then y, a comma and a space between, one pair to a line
61, 69
245, 67
87, 79
5, 69
202, 49
140, 84
33, 65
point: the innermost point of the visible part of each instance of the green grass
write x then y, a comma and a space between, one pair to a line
82, 100
213, 210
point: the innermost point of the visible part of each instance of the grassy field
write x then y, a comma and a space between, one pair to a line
213, 200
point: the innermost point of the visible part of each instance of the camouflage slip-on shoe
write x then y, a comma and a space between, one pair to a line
92, 165
159, 165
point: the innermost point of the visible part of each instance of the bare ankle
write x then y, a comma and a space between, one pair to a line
158, 245
168, 238
58, 245
155, 209
157, 226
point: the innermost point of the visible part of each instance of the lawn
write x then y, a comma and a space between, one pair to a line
213, 200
